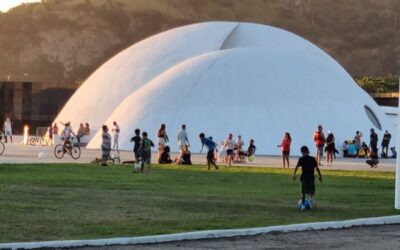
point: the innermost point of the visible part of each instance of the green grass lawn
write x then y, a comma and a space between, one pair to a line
83, 201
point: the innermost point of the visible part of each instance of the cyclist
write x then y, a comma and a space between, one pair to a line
66, 136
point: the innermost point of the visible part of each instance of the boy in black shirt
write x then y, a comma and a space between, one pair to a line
307, 164
136, 139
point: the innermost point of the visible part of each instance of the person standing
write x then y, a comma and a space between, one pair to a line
116, 131
55, 132
50, 131
308, 164
358, 141
319, 139
7, 128
136, 140
285, 145
373, 141
105, 146
162, 139
229, 145
182, 138
385, 144
211, 146
330, 148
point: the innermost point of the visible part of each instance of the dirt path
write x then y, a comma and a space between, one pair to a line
370, 237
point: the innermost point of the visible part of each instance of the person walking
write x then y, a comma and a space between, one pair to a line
358, 141
385, 144
229, 145
330, 148
116, 131
211, 146
162, 139
373, 141
308, 164
285, 145
145, 152
7, 128
136, 140
319, 139
182, 138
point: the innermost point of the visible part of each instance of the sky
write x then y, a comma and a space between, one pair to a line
5, 5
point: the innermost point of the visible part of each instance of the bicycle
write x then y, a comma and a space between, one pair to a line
34, 140
2, 148
71, 148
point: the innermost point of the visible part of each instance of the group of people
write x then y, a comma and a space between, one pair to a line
230, 149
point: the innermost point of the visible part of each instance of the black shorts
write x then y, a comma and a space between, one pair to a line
286, 152
210, 155
308, 187
229, 152
146, 157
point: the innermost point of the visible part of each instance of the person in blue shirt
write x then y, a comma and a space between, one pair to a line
352, 149
211, 146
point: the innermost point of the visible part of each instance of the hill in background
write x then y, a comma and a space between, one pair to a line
64, 41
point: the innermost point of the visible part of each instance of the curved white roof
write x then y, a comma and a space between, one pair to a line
259, 93
137, 65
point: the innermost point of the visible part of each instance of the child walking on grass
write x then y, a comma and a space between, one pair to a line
308, 164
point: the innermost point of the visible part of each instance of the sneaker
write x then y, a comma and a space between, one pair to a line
302, 208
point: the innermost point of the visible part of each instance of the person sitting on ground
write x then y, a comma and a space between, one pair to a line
394, 153
366, 148
184, 156
373, 161
345, 149
352, 149
165, 157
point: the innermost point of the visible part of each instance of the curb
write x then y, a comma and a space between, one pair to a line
209, 234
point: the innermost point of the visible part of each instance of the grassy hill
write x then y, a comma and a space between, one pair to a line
66, 40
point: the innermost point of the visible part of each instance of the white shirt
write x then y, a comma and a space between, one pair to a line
67, 132
116, 129
240, 143
229, 144
7, 126
182, 138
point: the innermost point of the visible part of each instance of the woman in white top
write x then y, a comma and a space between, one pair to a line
229, 145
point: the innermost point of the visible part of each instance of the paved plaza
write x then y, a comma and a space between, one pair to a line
18, 153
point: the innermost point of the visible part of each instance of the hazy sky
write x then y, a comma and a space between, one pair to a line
5, 5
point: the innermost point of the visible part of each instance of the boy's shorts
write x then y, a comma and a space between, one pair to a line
146, 157
229, 152
308, 187
210, 155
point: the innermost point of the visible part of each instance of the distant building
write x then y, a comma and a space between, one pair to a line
32, 103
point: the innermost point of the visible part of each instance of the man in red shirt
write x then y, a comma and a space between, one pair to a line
319, 139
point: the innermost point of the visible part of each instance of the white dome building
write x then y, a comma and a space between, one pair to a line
240, 78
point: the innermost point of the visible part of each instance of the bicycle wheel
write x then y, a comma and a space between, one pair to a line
43, 142
2, 147
76, 152
59, 151
32, 141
